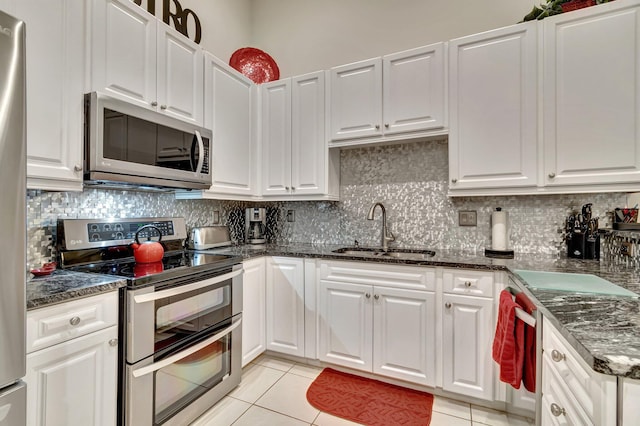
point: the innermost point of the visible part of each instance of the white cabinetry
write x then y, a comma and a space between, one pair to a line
55, 59
254, 340
295, 158
493, 90
72, 362
592, 96
630, 411
138, 58
468, 327
285, 305
379, 319
572, 393
383, 98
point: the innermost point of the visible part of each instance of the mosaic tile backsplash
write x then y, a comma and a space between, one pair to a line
409, 179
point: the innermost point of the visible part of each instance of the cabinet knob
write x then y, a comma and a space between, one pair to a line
77, 168
367, 295
557, 410
74, 321
154, 103
447, 305
286, 188
293, 188
376, 296
467, 283
377, 127
113, 342
454, 180
386, 125
552, 175
163, 107
557, 356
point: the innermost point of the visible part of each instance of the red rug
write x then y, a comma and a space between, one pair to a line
368, 401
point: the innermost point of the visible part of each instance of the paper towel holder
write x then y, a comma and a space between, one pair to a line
500, 253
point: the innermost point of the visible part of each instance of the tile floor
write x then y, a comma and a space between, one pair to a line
273, 393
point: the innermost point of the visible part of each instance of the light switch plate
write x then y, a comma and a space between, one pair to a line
291, 216
467, 218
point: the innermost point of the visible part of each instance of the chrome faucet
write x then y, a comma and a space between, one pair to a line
387, 236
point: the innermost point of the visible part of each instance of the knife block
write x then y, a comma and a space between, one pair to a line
581, 247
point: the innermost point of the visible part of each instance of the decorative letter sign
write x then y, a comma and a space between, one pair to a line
172, 12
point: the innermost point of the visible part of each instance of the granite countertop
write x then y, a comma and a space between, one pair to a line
62, 286
605, 330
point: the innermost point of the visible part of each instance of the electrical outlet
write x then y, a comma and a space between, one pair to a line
467, 218
216, 217
291, 216
626, 249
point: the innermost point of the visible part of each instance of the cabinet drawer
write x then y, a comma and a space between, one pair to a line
408, 277
559, 407
59, 323
470, 283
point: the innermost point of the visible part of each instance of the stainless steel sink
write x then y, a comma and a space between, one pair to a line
395, 253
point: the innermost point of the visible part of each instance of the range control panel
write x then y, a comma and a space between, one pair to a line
98, 231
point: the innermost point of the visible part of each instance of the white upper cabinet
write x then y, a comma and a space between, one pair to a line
592, 96
55, 60
493, 89
138, 58
229, 113
276, 137
394, 97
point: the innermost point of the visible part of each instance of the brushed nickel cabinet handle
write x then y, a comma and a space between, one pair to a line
467, 283
154, 103
377, 127
386, 125
447, 305
376, 296
74, 321
557, 356
454, 180
163, 107
557, 410
367, 295
113, 342
552, 175
77, 168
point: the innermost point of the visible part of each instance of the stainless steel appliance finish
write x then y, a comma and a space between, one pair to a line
208, 237
12, 217
180, 323
255, 225
386, 235
126, 144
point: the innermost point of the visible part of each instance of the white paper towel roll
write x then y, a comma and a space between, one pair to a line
499, 232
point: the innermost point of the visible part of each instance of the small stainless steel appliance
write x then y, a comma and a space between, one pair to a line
255, 225
13, 150
126, 144
180, 330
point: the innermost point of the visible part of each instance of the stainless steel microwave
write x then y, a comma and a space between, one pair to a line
128, 145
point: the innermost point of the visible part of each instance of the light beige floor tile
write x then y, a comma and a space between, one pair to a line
272, 362
452, 407
306, 370
289, 396
257, 416
440, 419
256, 380
325, 419
224, 413
486, 416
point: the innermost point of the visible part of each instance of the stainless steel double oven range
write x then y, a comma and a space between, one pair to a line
180, 334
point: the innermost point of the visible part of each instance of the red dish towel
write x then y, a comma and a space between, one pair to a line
508, 343
529, 368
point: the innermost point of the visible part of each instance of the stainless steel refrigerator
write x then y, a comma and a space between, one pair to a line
12, 221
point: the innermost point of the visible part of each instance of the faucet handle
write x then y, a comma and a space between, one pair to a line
356, 243
390, 236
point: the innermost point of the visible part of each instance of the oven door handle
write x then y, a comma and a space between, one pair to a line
150, 297
142, 371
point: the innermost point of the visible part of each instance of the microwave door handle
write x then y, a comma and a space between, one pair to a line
162, 294
201, 148
139, 372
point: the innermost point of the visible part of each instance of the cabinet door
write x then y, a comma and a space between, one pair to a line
180, 76
467, 342
493, 109
123, 51
74, 383
254, 339
308, 146
413, 89
228, 113
356, 100
404, 334
592, 96
285, 305
345, 324
276, 137
55, 87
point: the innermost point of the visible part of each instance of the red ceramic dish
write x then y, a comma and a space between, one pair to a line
46, 269
255, 64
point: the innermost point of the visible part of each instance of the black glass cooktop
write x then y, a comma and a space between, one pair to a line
173, 266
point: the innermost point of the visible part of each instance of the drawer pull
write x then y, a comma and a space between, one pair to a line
74, 321
113, 342
367, 295
467, 283
447, 305
557, 356
556, 410
376, 296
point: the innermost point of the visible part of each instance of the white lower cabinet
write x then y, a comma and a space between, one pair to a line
468, 328
72, 368
285, 305
254, 339
368, 321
